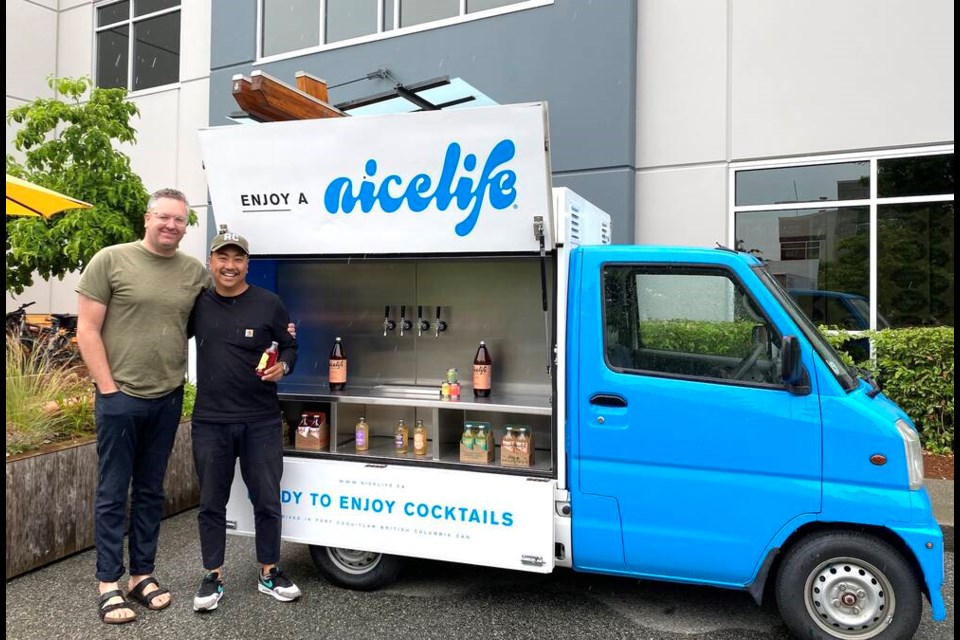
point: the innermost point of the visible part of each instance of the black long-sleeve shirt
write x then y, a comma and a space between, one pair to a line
231, 335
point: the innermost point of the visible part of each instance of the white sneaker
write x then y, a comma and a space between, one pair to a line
278, 585
209, 593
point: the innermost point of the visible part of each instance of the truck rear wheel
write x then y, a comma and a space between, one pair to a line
355, 569
848, 585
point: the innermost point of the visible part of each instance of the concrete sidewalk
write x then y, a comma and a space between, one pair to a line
941, 496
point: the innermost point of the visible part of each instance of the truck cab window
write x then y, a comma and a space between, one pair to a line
687, 322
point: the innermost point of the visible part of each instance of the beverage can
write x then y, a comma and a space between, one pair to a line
452, 375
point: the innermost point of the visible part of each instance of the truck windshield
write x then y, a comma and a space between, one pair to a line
846, 376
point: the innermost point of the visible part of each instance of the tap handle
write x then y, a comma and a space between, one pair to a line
405, 325
388, 324
440, 325
422, 325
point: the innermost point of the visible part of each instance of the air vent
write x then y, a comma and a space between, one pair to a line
605, 232
574, 225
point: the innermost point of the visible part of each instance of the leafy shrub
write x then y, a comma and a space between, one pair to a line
915, 368
189, 398
44, 404
717, 338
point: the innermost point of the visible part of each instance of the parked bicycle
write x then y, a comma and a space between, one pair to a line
17, 320
55, 343
57, 340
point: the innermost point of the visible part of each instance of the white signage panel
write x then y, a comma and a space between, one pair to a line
457, 516
465, 180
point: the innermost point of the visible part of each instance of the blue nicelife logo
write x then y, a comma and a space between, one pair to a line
340, 194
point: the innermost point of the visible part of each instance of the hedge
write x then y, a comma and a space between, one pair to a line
913, 366
915, 369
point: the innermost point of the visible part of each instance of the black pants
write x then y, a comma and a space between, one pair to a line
216, 448
134, 440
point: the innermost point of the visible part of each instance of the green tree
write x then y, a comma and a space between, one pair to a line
71, 146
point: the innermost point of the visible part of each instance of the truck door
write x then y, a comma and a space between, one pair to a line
683, 428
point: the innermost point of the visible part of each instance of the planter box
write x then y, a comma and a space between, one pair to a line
50, 498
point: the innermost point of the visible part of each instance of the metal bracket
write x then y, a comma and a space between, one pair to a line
532, 561
538, 228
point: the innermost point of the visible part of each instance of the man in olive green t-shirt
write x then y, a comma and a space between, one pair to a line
135, 300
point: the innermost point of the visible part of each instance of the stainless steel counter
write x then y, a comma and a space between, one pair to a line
418, 396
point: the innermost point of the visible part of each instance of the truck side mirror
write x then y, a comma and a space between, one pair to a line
791, 368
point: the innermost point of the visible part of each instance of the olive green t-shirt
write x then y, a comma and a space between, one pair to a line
148, 299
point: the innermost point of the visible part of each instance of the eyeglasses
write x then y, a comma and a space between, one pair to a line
164, 218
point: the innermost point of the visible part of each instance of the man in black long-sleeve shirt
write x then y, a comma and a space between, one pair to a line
237, 414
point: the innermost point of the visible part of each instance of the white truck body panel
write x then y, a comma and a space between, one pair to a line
442, 514
460, 181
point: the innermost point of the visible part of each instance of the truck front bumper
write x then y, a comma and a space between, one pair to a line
926, 543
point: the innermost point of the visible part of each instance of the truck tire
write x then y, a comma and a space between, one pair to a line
848, 585
355, 569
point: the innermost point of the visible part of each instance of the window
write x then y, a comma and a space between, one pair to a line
293, 25
146, 32
902, 205
686, 322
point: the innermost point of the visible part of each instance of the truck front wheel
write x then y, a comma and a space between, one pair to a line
355, 569
848, 585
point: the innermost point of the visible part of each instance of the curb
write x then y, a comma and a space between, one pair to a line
941, 501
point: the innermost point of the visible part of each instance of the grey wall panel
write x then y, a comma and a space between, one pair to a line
681, 82
682, 206
823, 76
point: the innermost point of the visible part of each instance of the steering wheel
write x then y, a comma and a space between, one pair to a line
759, 339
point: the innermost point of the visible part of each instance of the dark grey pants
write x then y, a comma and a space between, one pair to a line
259, 447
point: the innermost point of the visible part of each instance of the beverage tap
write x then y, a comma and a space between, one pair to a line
422, 325
388, 324
440, 325
405, 325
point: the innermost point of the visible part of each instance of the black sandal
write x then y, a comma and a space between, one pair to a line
147, 600
103, 609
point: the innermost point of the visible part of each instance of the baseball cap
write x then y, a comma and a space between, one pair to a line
226, 238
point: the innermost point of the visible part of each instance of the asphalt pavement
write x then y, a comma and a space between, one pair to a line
431, 600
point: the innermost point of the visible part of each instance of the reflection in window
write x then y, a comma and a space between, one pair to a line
420, 11
289, 25
686, 321
822, 255
113, 46
915, 264
818, 250
351, 19
816, 183
474, 6
156, 51
154, 48
918, 176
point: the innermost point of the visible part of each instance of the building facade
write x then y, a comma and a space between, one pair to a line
818, 135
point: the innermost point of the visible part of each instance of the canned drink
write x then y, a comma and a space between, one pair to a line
452, 375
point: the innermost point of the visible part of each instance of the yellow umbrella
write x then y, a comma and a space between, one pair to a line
28, 199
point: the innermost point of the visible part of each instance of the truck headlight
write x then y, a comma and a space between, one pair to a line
911, 448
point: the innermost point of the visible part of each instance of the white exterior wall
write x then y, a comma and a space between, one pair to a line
719, 82
43, 41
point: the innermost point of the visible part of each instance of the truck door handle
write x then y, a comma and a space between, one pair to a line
608, 400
